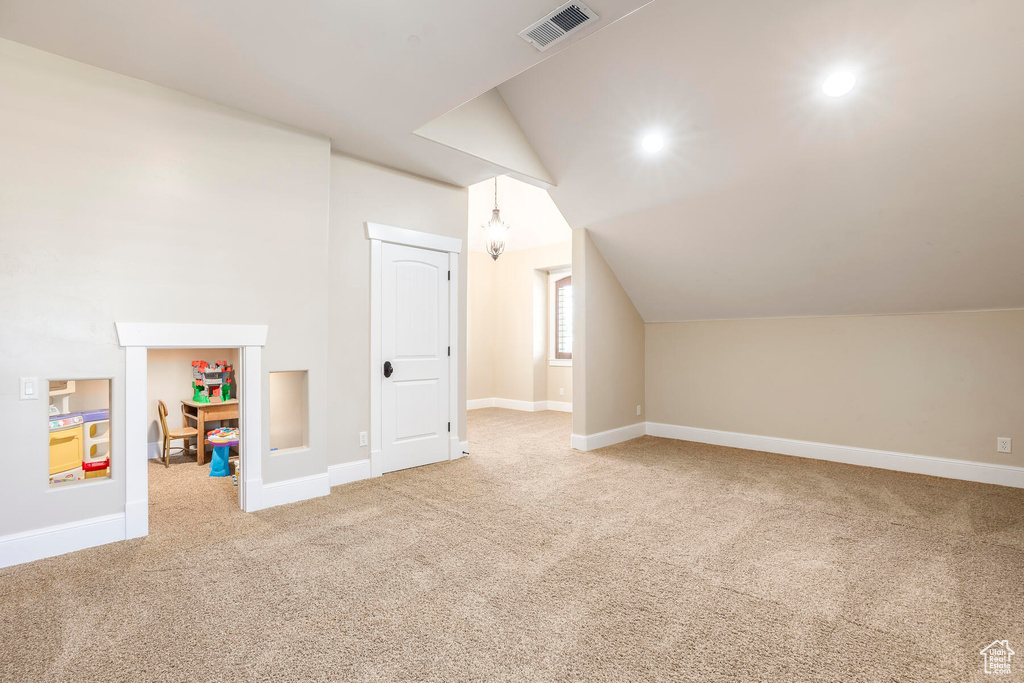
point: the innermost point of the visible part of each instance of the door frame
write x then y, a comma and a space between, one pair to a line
378, 234
137, 339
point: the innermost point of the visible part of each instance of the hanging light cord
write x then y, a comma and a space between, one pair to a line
495, 192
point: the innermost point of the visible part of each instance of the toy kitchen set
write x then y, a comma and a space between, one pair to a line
79, 439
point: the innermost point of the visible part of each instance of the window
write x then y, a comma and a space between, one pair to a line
563, 318
79, 425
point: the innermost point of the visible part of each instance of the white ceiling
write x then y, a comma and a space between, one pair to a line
365, 74
532, 217
771, 199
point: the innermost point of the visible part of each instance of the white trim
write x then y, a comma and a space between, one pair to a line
137, 338
28, 546
251, 452
293, 490
560, 362
376, 275
513, 404
589, 442
348, 472
136, 442
413, 238
453, 356
174, 335
155, 451
463, 450
377, 234
967, 470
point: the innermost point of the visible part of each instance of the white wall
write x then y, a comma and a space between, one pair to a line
113, 193
363, 192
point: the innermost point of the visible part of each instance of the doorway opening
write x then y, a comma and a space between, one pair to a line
139, 339
193, 411
520, 310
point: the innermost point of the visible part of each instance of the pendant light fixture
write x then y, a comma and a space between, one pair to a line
495, 230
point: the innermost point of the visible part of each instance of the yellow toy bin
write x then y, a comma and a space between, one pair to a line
66, 449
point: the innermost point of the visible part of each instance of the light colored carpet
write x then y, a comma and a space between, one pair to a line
652, 560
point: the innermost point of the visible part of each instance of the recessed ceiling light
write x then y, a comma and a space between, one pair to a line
653, 142
839, 83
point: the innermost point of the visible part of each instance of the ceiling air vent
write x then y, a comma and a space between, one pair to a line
557, 25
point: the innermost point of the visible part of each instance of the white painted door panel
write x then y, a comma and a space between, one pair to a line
414, 339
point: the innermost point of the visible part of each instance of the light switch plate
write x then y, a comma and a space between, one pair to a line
29, 388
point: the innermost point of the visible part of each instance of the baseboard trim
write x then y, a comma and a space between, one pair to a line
589, 442
348, 472
967, 470
463, 450
294, 490
155, 450
37, 544
513, 404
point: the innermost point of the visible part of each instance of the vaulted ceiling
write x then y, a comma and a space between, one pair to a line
769, 198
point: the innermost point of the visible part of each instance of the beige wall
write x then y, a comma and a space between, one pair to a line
480, 327
608, 345
943, 385
110, 190
508, 321
362, 192
559, 378
169, 378
289, 401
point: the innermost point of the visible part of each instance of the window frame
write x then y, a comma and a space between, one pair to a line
560, 355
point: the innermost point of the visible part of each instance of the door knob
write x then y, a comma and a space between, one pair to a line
388, 368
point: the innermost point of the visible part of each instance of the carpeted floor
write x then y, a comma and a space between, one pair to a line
651, 560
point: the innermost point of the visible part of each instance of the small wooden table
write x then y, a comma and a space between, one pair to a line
214, 411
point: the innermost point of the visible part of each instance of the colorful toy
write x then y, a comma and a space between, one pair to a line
199, 393
222, 440
211, 381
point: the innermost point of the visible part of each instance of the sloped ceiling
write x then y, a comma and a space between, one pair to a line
365, 74
770, 199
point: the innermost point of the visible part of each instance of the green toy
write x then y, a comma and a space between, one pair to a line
225, 390
199, 394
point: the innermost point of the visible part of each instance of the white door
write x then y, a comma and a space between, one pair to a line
414, 348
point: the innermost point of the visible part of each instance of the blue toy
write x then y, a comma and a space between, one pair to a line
222, 439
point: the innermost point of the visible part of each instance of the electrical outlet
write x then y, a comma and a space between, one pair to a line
362, 438
1003, 444
638, 410
561, 392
